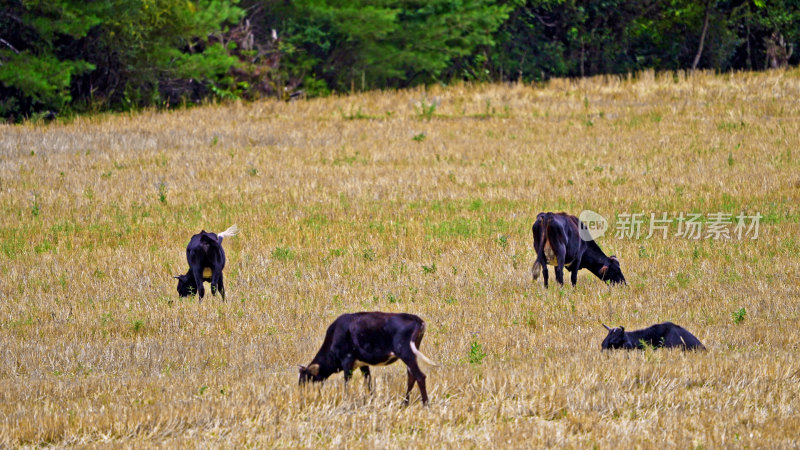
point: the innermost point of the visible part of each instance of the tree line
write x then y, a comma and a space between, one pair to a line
72, 56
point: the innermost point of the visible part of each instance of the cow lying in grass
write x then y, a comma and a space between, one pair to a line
206, 260
557, 242
359, 340
665, 334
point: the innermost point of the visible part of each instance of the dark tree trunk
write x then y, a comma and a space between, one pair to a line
702, 36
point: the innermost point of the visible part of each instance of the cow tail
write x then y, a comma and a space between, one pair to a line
536, 269
417, 336
422, 356
231, 231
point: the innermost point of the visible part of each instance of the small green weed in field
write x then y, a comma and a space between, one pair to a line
368, 254
419, 137
137, 325
475, 205
162, 192
429, 269
21, 322
426, 110
503, 240
530, 319
739, 315
106, 318
476, 353
316, 221
682, 279
283, 254
357, 115
350, 160
45, 247
458, 227
731, 126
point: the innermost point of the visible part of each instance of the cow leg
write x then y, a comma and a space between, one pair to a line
216, 285
197, 272
415, 374
347, 367
575, 267
411, 381
573, 277
545, 275
560, 273
561, 254
367, 378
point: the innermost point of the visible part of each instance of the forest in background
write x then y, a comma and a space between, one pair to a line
63, 57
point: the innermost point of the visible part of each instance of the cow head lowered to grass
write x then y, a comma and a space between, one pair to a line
206, 260
558, 242
665, 334
364, 339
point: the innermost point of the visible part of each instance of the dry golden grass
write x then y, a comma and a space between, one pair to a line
340, 208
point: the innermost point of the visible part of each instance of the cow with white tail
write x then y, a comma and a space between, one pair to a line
206, 260
363, 339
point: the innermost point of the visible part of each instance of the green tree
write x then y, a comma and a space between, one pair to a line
62, 54
160, 52
380, 43
35, 68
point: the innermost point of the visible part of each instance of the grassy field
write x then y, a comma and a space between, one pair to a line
418, 201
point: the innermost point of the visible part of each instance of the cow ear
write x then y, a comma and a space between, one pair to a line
614, 258
622, 329
313, 369
603, 270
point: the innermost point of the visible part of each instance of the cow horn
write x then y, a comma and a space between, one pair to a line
176, 277
301, 367
609, 329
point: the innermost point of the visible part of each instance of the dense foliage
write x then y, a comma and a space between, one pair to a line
69, 55
119, 54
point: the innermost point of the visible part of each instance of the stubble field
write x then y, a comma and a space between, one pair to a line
417, 201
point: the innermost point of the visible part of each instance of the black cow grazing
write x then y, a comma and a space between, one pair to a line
206, 260
364, 339
665, 334
557, 241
